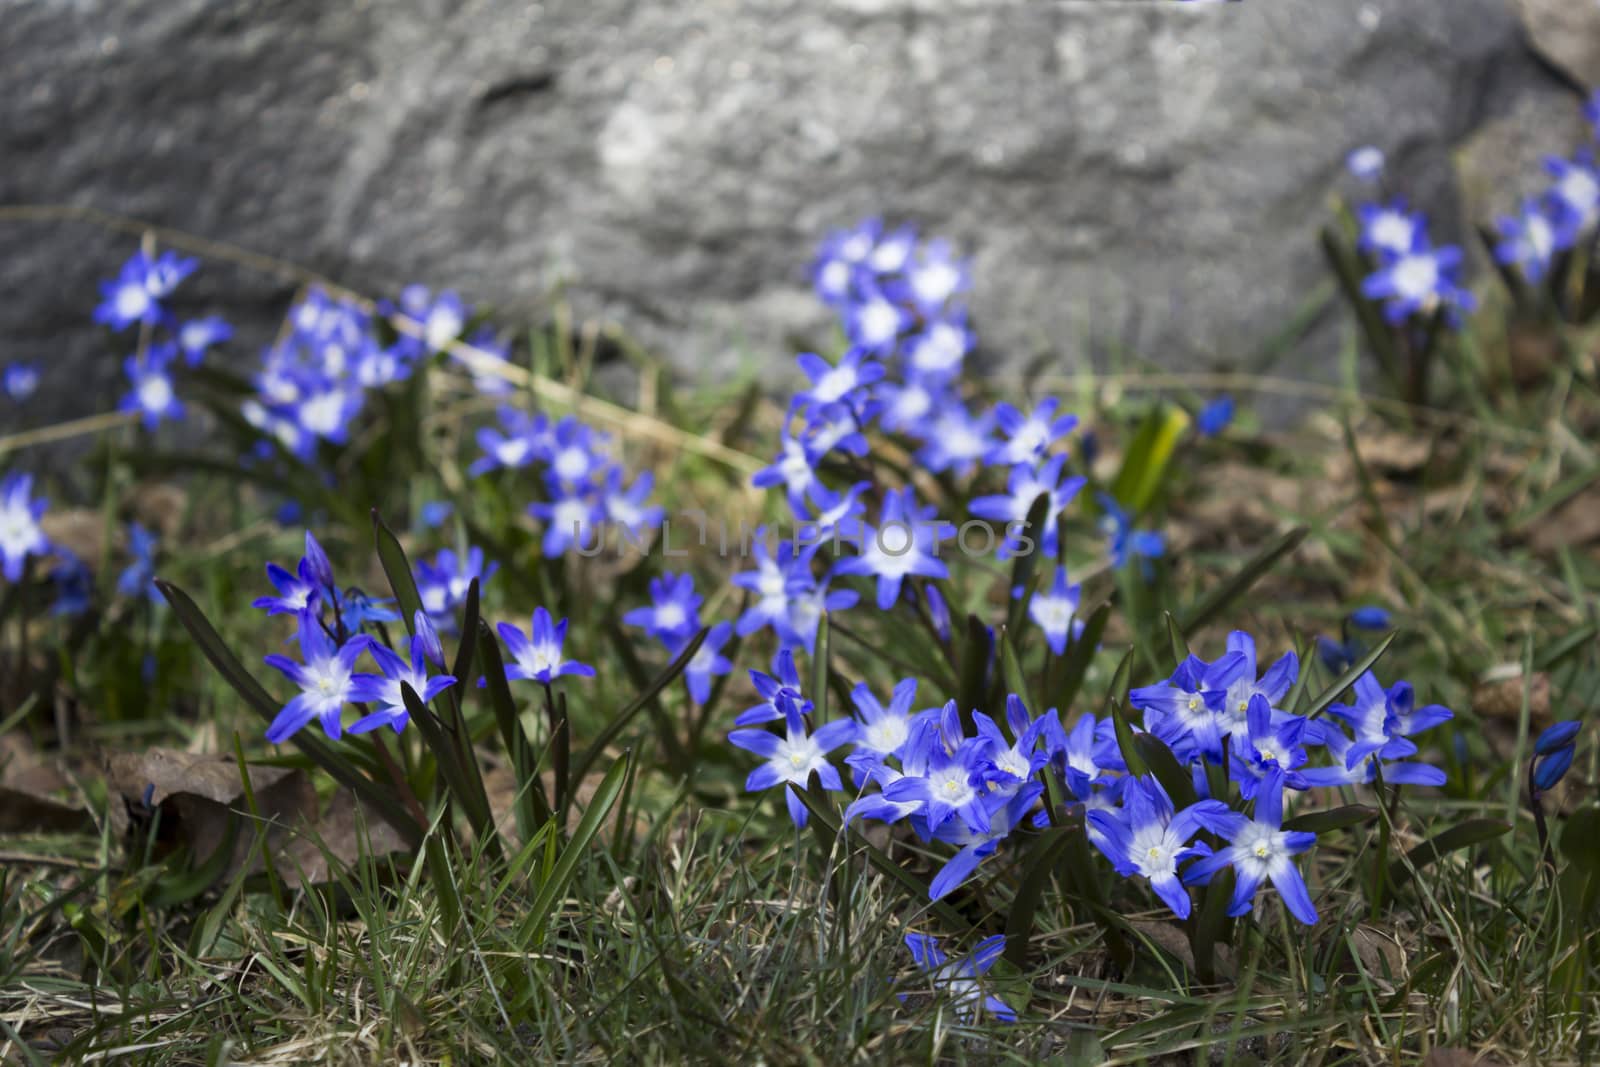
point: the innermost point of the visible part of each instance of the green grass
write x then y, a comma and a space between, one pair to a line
699, 925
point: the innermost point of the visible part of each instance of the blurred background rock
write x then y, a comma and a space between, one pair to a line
1146, 174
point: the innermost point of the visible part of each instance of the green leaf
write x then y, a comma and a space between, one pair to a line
1011, 673
319, 751
1022, 568
1462, 835
1126, 743
532, 807
1149, 455
180, 887
594, 816
1348, 269
975, 651
913, 887
1209, 924
1166, 768
1342, 818
1348, 678
1580, 839
1080, 653
1045, 853
819, 674
620, 721
451, 765
1180, 647
1223, 596
398, 570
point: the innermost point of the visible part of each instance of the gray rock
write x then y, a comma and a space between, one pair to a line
1149, 173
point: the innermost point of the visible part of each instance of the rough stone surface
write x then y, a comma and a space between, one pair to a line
1154, 173
1567, 32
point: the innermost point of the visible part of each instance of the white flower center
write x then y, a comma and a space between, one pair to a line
155, 392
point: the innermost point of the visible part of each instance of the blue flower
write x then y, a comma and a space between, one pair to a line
1530, 239
443, 583
883, 731
1389, 230
20, 381
1237, 677
1024, 487
1055, 612
1365, 163
960, 980
674, 611
1370, 617
357, 610
708, 661
807, 604
138, 578
73, 582
792, 758
198, 335
434, 513
794, 468
152, 396
935, 275
834, 427
630, 508
774, 692
575, 453
1013, 764
1383, 720
938, 350
1029, 437
1215, 416
1553, 754
1364, 770
525, 438
326, 680
1007, 810
324, 411
571, 518
488, 353
781, 573
20, 533
831, 383
901, 545
1124, 541
875, 322
384, 689
1421, 279
537, 656
944, 772
439, 321
1575, 193
1146, 837
833, 510
1260, 851
955, 439
136, 293
297, 593
1270, 745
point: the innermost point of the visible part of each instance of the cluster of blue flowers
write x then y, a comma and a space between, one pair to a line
314, 380
1558, 219
22, 537
335, 627
581, 487
137, 297
970, 786
1412, 277
673, 618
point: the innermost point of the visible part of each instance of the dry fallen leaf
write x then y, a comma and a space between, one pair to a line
1577, 522
1502, 699
35, 798
1382, 956
198, 795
